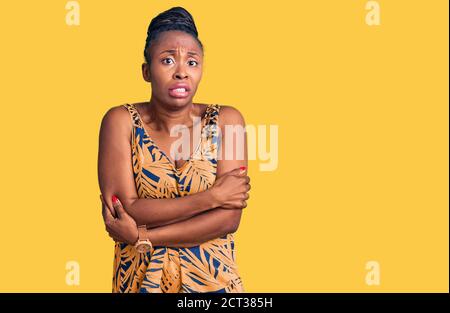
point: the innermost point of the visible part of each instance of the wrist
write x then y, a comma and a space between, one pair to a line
135, 239
152, 235
133, 236
143, 243
212, 199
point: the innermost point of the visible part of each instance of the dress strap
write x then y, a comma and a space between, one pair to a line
213, 114
210, 134
134, 114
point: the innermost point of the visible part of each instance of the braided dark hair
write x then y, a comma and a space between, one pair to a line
176, 18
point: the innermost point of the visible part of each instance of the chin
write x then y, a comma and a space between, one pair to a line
178, 102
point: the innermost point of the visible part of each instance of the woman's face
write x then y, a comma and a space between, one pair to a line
175, 59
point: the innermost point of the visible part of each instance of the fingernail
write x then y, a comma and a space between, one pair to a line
114, 199
242, 168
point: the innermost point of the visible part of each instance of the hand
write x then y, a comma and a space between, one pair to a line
231, 190
120, 229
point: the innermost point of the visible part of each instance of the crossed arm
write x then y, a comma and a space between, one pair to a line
183, 221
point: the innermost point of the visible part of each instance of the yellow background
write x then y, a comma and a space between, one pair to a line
362, 113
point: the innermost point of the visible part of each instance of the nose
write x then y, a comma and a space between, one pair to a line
180, 72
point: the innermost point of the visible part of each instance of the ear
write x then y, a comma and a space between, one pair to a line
146, 72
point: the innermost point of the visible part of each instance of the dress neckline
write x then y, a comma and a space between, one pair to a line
172, 163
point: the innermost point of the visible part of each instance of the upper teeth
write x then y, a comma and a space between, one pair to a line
180, 89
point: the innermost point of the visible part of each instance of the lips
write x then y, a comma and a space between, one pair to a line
179, 90
180, 85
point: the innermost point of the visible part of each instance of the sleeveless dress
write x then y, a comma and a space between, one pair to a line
208, 267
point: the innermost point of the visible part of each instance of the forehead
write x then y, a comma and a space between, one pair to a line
176, 40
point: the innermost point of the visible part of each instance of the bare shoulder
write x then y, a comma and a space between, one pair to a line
230, 115
117, 117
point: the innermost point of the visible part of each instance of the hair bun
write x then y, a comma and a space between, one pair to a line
176, 18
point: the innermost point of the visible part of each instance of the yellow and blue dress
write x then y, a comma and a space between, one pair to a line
208, 267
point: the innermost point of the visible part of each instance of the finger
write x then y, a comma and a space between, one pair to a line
107, 216
111, 227
113, 233
111, 210
246, 196
249, 187
118, 207
119, 239
244, 204
115, 237
243, 179
237, 171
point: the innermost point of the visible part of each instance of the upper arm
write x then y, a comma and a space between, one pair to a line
115, 172
232, 152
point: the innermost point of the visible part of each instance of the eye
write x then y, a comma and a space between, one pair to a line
166, 59
194, 62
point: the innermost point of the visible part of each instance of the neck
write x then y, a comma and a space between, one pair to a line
164, 118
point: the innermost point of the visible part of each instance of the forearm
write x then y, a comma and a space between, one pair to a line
196, 230
160, 212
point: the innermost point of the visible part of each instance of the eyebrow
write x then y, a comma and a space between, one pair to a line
172, 51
